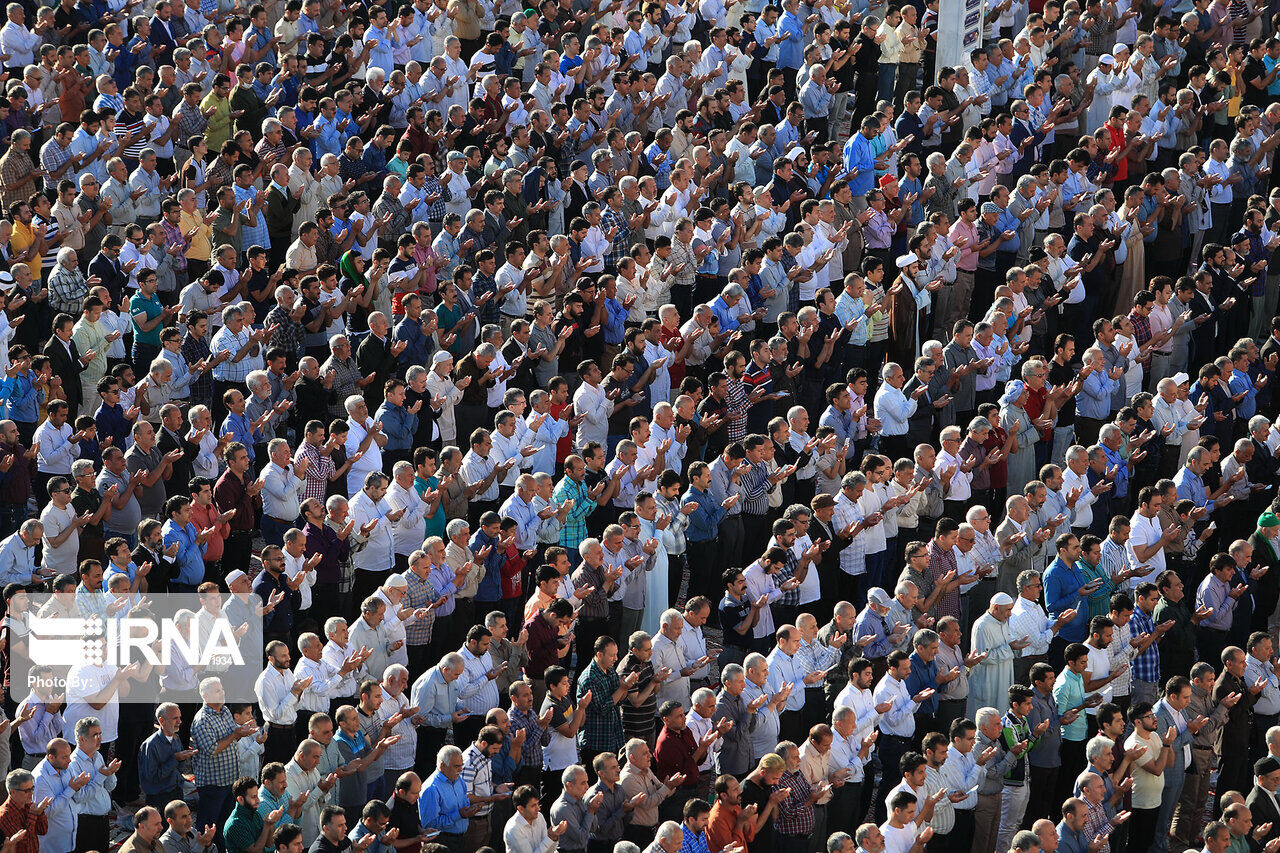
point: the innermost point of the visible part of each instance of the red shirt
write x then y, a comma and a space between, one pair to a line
1118, 141
13, 819
1035, 408
674, 754
565, 445
667, 336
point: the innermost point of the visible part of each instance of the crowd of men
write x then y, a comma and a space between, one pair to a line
679, 426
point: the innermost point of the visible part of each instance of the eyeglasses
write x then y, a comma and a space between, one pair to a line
65, 491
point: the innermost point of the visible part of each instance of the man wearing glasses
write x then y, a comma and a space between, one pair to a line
20, 812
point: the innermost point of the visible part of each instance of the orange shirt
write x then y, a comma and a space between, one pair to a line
722, 828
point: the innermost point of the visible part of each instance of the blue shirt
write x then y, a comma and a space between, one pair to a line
791, 51
1114, 459
441, 802
1062, 582
860, 154
1248, 405
727, 316
923, 675
1191, 488
190, 556
1094, 400
241, 429
704, 523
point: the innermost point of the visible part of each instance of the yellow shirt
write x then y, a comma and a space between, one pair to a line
201, 242
22, 239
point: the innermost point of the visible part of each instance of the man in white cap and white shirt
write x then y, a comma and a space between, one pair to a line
990, 678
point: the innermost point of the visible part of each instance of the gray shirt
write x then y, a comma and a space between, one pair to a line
123, 521
579, 820
608, 818
735, 746
150, 498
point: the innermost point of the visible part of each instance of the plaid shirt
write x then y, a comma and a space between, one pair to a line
736, 402
190, 121
352, 170
574, 529
173, 236
52, 156
795, 813
481, 284
195, 350
1141, 328
791, 597
610, 218
319, 468
941, 561
420, 593
67, 290
290, 334
224, 340
535, 736
813, 656
15, 170
213, 767
853, 557
602, 729
1146, 666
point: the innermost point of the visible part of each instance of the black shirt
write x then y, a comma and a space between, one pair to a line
1254, 69
404, 817
733, 613
754, 792
1061, 374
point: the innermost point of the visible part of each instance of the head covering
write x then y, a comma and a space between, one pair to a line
1001, 599
823, 501
1012, 391
397, 582
456, 155
1106, 59
1268, 519
1120, 48
531, 189
1179, 378
347, 264
990, 207
878, 597
442, 356
907, 260
1266, 765
888, 179
234, 576
7, 281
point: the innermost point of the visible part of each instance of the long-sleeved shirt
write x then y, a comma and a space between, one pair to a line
523, 836
441, 802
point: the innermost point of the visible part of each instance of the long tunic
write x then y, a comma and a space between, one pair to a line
989, 681
1021, 466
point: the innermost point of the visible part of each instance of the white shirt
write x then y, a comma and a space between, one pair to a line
325, 682
591, 401
899, 719
274, 689
407, 533
90, 679
378, 554
1145, 532
521, 836
370, 461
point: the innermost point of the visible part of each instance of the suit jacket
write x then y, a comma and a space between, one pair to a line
113, 276
1263, 804
279, 214
161, 41
162, 571
1186, 738
69, 367
373, 358
1018, 559
181, 473
512, 350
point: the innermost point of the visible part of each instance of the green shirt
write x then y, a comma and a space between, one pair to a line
242, 829
139, 304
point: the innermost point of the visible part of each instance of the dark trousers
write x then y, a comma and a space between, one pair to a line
93, 833
1044, 785
1142, 828
236, 551
892, 748
214, 807
279, 745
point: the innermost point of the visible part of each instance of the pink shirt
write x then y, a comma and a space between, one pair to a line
967, 260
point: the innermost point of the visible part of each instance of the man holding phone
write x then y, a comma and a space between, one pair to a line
1065, 588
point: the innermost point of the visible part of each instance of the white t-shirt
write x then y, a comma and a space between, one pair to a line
90, 679
1146, 787
899, 840
63, 557
1099, 667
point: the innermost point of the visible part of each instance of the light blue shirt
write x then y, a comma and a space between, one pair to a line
190, 556
17, 561
893, 408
